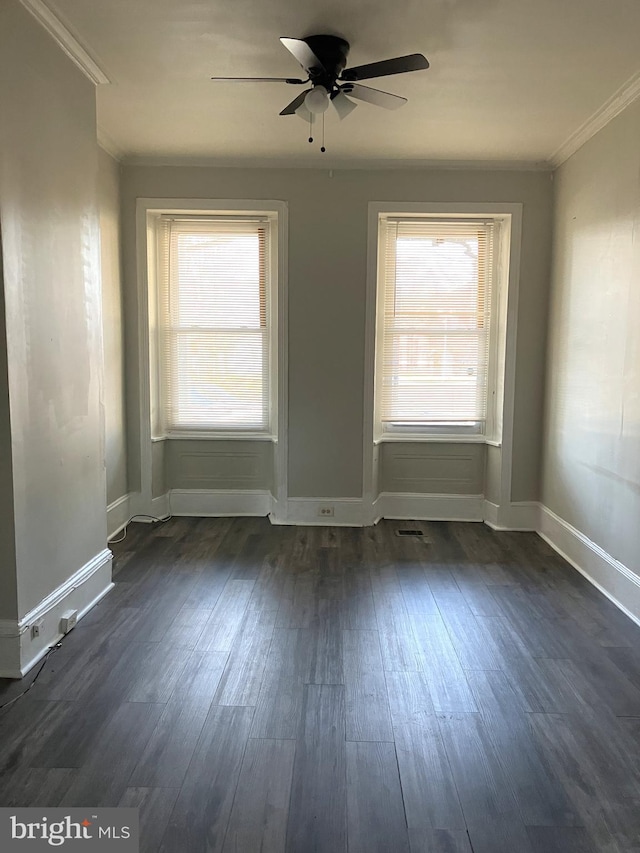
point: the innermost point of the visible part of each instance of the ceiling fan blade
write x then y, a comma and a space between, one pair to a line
375, 96
303, 53
291, 108
292, 80
399, 65
343, 105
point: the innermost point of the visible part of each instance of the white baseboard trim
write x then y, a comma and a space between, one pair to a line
18, 651
145, 509
615, 580
215, 503
118, 513
428, 507
160, 507
518, 515
347, 512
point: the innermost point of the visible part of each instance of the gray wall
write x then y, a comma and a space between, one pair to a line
113, 326
51, 258
219, 464
432, 468
158, 469
327, 277
592, 434
8, 582
492, 473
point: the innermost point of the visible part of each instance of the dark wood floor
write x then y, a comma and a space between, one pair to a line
257, 688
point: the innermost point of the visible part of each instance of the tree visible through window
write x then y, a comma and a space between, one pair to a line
434, 324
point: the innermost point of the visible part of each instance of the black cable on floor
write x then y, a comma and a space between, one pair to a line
26, 690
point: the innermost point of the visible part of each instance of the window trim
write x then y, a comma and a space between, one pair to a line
271, 296
144, 394
501, 436
431, 432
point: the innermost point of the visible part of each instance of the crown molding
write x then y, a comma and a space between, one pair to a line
341, 164
612, 107
67, 41
108, 145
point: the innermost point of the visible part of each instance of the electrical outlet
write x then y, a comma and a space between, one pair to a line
326, 511
68, 621
36, 628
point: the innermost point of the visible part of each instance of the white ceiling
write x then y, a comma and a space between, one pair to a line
510, 80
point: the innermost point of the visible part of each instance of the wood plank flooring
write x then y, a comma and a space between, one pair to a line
337, 690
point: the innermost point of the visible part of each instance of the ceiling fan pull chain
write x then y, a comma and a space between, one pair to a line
322, 148
310, 127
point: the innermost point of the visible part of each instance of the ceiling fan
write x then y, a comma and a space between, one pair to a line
323, 59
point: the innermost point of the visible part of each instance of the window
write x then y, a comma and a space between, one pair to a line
215, 324
434, 341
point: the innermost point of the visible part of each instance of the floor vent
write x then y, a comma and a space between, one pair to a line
409, 533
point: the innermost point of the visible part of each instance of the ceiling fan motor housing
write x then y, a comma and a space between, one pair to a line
332, 51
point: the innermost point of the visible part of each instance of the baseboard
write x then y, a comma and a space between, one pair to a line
347, 512
428, 507
18, 650
215, 503
615, 580
128, 506
160, 507
518, 515
118, 514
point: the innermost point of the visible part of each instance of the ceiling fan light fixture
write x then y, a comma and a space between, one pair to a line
304, 113
317, 100
343, 105
323, 58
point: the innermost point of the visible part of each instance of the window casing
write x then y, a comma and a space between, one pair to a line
216, 325
435, 329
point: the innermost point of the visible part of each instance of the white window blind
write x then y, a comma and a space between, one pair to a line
214, 324
434, 328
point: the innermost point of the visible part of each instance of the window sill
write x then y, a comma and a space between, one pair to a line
439, 439
215, 436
